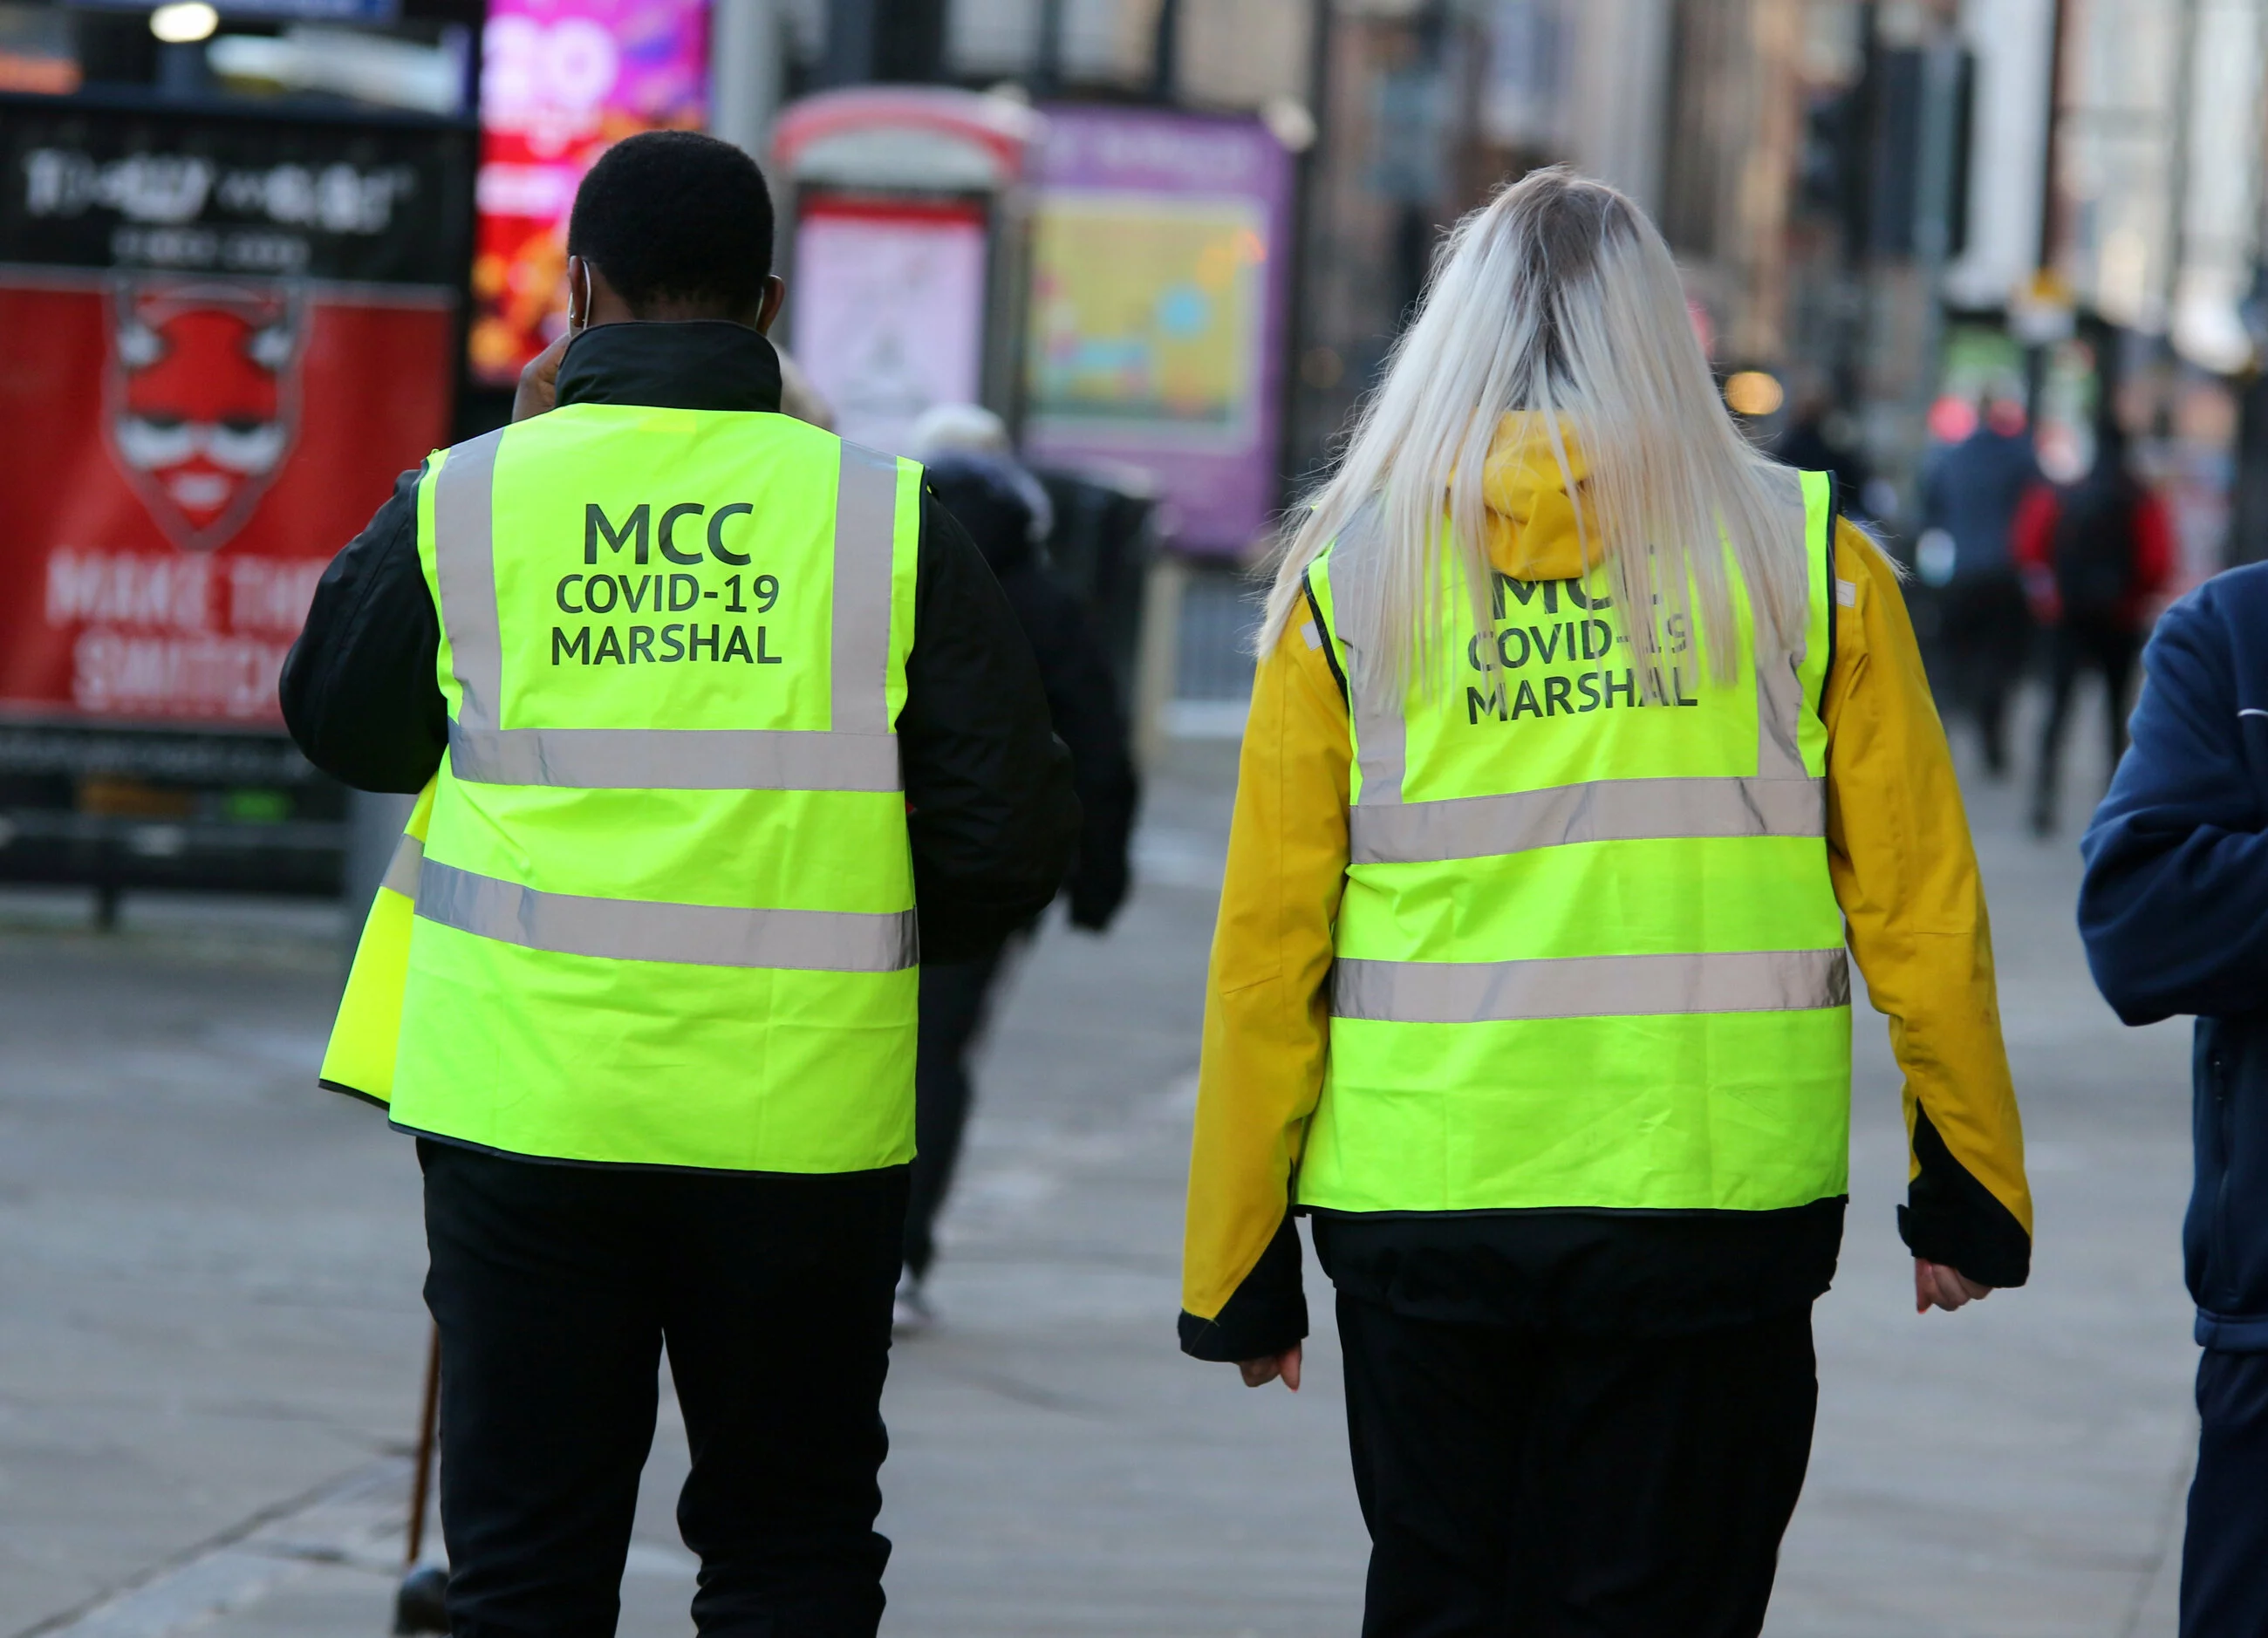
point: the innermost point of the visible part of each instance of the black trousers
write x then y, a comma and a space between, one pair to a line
2074, 649
955, 1001
1525, 1484
1987, 632
554, 1287
2225, 1556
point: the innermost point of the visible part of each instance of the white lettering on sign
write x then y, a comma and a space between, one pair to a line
266, 594
336, 198
524, 190
119, 673
173, 189
141, 188
546, 81
127, 589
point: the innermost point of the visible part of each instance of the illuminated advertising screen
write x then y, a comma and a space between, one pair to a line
561, 80
889, 310
1156, 327
1149, 312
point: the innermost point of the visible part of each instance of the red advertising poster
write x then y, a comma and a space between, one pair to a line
200, 451
224, 339
562, 81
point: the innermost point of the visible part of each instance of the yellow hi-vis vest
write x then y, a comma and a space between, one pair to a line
1588, 954
664, 909
359, 1058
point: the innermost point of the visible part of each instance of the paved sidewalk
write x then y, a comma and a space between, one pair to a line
211, 1291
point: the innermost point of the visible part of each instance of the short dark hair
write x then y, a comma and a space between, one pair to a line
675, 216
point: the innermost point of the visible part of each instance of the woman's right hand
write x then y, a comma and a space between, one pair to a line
1941, 1285
1259, 1373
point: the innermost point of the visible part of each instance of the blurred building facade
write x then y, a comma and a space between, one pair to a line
1878, 202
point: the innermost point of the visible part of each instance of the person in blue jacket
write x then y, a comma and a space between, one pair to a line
2174, 911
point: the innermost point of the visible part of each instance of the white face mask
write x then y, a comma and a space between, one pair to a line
578, 305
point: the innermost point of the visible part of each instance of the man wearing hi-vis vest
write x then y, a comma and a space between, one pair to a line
712, 703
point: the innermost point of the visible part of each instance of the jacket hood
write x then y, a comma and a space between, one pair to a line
1531, 516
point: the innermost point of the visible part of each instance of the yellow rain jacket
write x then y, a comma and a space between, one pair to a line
1903, 870
359, 1059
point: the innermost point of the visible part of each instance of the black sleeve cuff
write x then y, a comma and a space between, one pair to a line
357, 690
990, 809
959, 927
1949, 1218
1265, 1316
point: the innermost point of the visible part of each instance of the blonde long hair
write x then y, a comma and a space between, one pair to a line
1557, 296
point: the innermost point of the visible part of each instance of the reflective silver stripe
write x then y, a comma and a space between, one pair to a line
1779, 713
464, 563
697, 935
860, 753
1604, 809
865, 531
644, 759
1382, 730
1589, 986
402, 870
1381, 738
1780, 681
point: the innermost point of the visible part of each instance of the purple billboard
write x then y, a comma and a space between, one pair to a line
1158, 281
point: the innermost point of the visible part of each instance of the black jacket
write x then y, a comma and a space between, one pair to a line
995, 502
989, 795
2174, 910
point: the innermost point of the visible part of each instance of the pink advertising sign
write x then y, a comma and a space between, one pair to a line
561, 81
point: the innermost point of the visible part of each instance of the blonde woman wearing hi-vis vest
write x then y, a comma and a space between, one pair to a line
1584, 738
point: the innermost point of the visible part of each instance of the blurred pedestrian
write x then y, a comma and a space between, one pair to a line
799, 397
1529, 985
2093, 555
1815, 439
972, 472
1971, 492
2174, 910
724, 700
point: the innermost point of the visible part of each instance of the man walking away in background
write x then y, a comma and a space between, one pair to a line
1973, 491
971, 469
2174, 910
724, 699
2092, 557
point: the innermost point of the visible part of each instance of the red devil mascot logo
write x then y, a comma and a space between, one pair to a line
203, 393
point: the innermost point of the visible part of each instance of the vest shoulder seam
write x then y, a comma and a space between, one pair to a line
1329, 645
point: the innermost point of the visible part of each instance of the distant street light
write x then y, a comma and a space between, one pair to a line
184, 22
1754, 393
